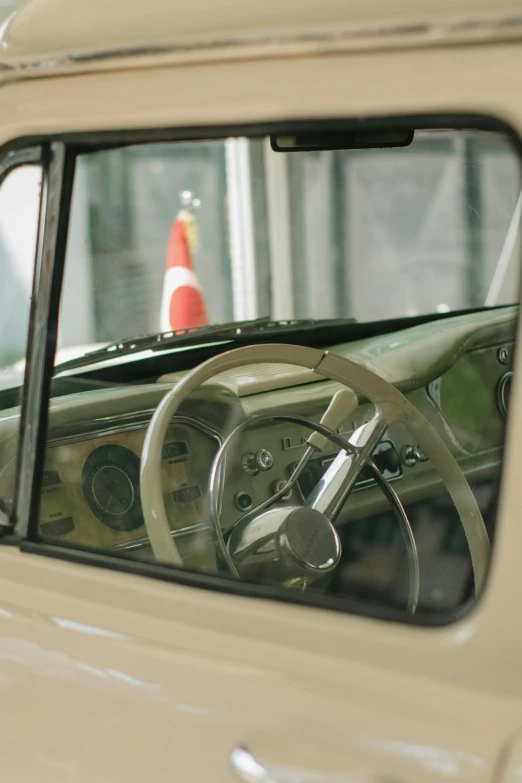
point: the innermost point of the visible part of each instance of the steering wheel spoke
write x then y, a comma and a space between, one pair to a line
331, 492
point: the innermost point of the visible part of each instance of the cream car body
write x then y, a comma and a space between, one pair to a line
115, 676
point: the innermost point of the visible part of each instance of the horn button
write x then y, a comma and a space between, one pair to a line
289, 543
311, 538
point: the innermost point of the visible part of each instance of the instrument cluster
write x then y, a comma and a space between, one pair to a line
91, 488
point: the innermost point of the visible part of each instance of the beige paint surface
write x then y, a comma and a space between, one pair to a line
96, 26
115, 677
475, 79
107, 676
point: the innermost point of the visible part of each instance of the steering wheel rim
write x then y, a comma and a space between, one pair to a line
390, 405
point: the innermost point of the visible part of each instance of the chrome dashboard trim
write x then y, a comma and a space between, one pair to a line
133, 423
182, 532
101, 428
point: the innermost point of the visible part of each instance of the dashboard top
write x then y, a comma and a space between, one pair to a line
407, 359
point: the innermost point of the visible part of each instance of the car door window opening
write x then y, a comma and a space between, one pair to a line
353, 507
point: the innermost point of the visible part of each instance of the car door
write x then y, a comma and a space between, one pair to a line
122, 671
116, 676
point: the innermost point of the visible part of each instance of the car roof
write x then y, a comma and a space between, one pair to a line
43, 32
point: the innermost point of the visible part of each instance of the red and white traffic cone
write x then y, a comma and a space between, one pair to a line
182, 304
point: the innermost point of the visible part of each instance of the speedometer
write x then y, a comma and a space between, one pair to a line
110, 483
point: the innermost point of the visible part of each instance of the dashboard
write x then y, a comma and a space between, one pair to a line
457, 373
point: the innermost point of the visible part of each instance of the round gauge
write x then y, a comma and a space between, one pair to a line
110, 483
503, 390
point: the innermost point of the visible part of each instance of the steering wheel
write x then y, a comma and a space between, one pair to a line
300, 542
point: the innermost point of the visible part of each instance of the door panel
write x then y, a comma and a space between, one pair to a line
105, 677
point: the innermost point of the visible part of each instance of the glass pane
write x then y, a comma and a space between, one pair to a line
19, 211
19, 207
125, 202
414, 251
403, 234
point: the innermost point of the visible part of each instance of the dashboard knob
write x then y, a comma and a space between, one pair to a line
254, 462
264, 460
412, 454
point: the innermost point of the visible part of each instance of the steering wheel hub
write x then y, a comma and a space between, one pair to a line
312, 539
286, 543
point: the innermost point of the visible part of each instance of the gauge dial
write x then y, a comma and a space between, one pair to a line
110, 483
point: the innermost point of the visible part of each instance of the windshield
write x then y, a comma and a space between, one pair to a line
175, 235
169, 236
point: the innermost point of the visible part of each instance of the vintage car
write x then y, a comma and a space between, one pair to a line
266, 525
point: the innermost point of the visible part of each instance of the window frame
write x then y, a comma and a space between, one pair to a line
59, 158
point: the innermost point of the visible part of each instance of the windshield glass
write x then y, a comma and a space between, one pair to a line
169, 236
19, 210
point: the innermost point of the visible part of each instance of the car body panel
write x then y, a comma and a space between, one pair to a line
31, 41
113, 676
118, 676
475, 79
